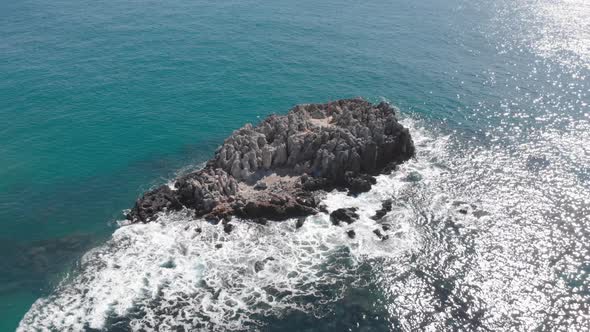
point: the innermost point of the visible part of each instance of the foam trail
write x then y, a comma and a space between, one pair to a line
181, 272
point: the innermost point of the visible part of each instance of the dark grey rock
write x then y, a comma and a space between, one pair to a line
347, 215
259, 265
300, 222
386, 206
380, 235
260, 221
359, 183
158, 200
227, 228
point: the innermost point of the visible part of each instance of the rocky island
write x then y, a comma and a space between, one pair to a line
280, 168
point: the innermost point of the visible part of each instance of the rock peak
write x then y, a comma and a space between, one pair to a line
277, 169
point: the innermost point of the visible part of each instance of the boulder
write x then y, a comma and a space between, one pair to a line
386, 206
347, 215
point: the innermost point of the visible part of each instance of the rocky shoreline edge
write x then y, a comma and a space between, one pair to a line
283, 167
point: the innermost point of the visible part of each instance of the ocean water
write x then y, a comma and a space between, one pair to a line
102, 100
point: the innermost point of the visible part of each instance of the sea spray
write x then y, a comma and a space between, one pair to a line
456, 254
185, 272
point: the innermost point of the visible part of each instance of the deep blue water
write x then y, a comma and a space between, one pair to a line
101, 100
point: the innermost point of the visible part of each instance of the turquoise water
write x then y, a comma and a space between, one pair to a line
99, 101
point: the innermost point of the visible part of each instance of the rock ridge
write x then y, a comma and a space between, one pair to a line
279, 168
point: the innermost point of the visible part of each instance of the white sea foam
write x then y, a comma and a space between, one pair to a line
181, 272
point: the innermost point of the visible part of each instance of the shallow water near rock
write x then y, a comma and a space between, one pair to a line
489, 224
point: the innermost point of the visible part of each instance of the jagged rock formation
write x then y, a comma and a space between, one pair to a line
276, 169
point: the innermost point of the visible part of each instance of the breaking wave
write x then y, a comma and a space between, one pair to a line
489, 238
186, 272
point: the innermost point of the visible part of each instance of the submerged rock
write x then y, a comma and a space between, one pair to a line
277, 169
348, 215
380, 235
386, 206
259, 265
227, 228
